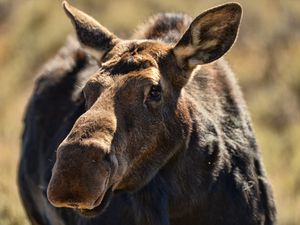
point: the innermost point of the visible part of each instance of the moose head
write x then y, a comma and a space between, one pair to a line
138, 116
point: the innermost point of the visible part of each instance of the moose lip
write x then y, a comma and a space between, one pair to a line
100, 208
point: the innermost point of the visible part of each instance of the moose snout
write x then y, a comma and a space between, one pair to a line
80, 176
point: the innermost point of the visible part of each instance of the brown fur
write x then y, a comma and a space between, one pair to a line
161, 129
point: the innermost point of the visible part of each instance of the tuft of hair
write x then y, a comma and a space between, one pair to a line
166, 27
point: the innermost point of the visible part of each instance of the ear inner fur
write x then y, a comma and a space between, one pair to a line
209, 36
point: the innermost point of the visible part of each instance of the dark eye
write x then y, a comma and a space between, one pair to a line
155, 93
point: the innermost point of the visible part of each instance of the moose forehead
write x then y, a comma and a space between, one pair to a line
127, 67
130, 57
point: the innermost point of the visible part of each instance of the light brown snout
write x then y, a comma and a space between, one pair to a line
80, 176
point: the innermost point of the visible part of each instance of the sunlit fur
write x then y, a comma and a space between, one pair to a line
114, 153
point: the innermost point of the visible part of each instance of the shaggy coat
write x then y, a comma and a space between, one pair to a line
151, 131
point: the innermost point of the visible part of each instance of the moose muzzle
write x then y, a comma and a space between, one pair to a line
80, 177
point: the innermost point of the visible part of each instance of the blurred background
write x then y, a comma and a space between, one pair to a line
265, 59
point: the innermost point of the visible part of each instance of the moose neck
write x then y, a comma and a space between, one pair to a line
215, 112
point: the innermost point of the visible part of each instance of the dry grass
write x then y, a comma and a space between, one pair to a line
265, 59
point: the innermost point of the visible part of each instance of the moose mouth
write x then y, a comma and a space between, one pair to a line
103, 204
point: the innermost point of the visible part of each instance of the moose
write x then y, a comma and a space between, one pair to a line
148, 131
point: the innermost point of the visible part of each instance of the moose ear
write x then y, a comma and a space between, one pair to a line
95, 38
209, 36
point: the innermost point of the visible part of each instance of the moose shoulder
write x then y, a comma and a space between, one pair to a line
158, 135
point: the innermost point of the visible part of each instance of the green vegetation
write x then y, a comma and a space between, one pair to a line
265, 60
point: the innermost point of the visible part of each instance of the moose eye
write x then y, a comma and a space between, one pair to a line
155, 93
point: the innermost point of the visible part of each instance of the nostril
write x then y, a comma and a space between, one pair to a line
107, 158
